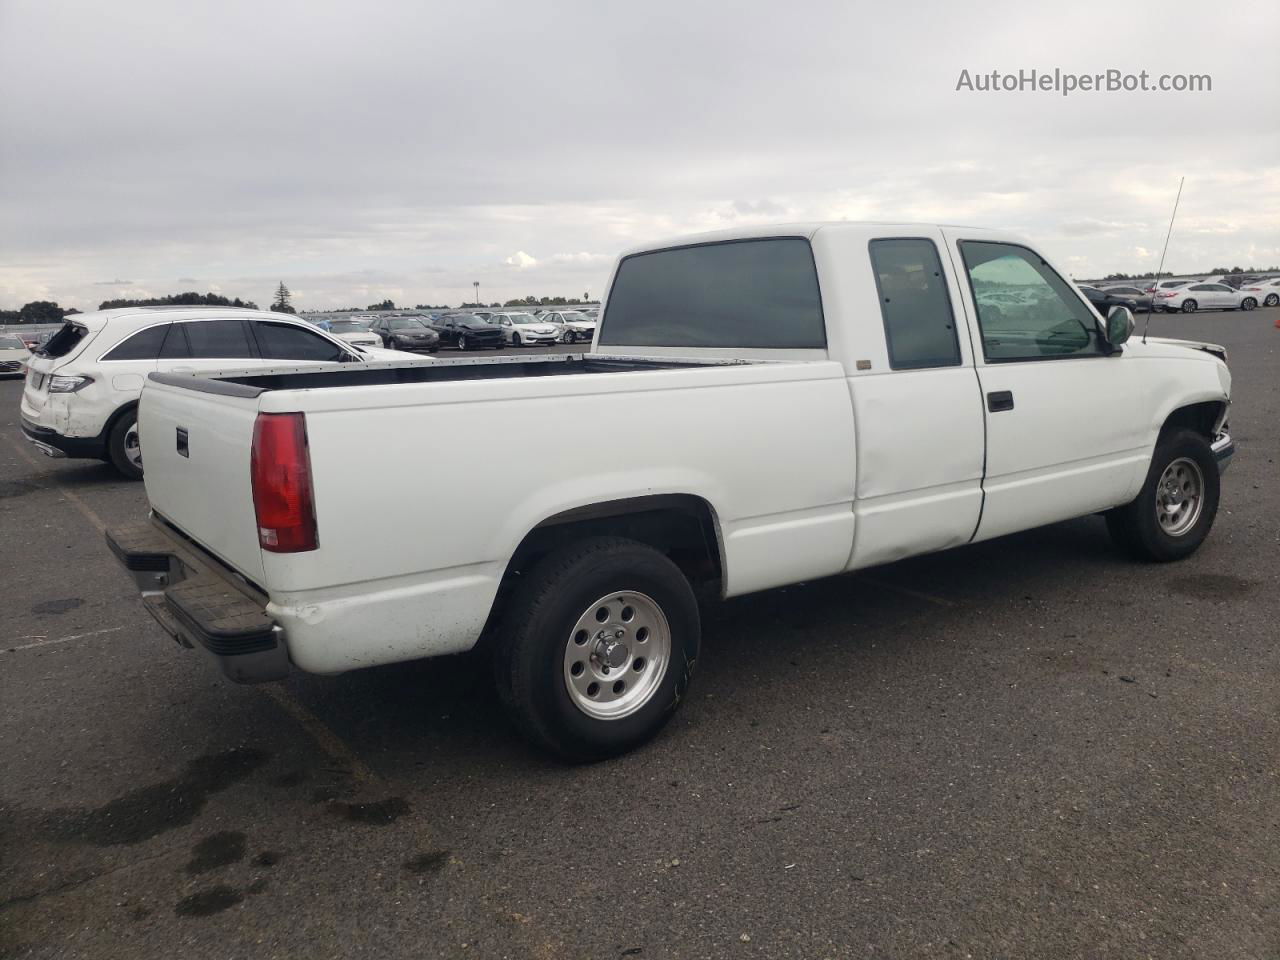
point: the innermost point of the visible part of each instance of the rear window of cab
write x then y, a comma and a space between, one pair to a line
738, 293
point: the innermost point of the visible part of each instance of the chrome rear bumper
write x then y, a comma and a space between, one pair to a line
1224, 448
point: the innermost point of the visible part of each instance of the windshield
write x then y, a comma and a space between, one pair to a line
573, 316
348, 326
407, 324
11, 343
523, 318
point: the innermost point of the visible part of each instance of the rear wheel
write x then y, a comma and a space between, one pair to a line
1175, 509
1189, 306
123, 448
1248, 303
596, 648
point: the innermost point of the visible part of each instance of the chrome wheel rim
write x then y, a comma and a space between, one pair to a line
617, 655
1179, 496
132, 446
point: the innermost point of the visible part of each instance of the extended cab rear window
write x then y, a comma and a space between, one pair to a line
740, 293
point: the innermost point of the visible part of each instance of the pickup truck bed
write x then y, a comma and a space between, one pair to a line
254, 383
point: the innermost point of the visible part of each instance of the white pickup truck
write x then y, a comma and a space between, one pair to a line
759, 407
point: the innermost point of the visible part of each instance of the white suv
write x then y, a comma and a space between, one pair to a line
82, 388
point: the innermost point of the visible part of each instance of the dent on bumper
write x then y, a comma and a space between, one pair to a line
1224, 448
51, 443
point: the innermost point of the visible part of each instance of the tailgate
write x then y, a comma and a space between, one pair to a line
195, 452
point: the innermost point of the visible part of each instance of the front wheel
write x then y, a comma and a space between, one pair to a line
596, 648
1248, 303
1174, 511
515, 339
123, 447
1272, 299
462, 343
1189, 306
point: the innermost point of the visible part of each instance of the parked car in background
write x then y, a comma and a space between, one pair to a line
1165, 285
466, 331
405, 333
13, 354
352, 331
522, 329
1205, 296
81, 395
1266, 291
574, 325
1102, 300
1140, 299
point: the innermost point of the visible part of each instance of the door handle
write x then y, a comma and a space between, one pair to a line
999, 400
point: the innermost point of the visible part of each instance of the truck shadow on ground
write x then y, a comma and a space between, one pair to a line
444, 714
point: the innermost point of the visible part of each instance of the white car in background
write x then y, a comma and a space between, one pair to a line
519, 329
1266, 291
13, 354
353, 331
81, 395
1204, 296
574, 324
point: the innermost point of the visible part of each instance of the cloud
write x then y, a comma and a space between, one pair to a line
677, 122
113, 283
582, 259
521, 260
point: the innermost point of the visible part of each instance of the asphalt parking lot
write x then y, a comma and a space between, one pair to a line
1026, 748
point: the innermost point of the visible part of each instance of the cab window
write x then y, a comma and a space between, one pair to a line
919, 326
1025, 310
740, 293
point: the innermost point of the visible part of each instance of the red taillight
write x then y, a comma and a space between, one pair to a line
280, 467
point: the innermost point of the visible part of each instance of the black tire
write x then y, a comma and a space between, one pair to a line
515, 339
116, 445
1135, 527
1248, 303
1189, 306
462, 341
529, 650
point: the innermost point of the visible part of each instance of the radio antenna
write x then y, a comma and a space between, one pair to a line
1151, 304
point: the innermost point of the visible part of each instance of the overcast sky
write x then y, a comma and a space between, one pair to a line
362, 150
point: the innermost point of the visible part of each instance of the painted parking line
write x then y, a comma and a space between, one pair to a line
328, 741
72, 497
50, 641
908, 592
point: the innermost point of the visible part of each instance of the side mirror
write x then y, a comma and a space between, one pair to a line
1120, 324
